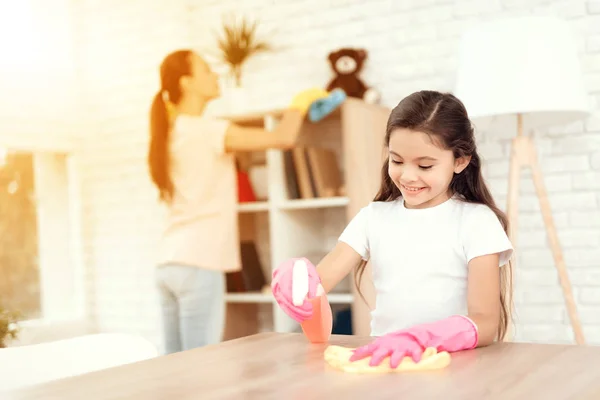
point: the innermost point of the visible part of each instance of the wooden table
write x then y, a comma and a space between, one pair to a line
286, 366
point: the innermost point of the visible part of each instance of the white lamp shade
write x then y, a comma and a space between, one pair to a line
524, 65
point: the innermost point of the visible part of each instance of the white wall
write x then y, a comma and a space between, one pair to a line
121, 45
37, 67
411, 46
39, 112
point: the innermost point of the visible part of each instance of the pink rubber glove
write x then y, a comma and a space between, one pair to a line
451, 334
293, 282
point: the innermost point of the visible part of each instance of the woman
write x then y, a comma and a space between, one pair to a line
192, 164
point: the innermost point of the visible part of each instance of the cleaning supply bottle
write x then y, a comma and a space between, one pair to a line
319, 326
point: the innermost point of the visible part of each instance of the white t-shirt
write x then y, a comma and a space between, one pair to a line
419, 257
202, 219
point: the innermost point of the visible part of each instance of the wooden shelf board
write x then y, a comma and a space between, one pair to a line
301, 204
340, 298
260, 297
249, 297
256, 119
254, 206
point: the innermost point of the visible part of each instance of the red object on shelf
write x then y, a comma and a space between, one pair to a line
245, 191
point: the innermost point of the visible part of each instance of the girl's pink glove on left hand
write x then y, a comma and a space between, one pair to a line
451, 334
293, 283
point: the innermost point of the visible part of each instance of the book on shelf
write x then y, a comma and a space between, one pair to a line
251, 278
312, 172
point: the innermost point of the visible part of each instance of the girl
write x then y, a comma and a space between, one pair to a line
192, 164
436, 241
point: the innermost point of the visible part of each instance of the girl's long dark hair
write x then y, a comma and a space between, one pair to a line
173, 67
444, 117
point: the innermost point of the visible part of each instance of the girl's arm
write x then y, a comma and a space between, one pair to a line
483, 296
240, 138
337, 264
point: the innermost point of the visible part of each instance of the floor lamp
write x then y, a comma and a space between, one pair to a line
528, 68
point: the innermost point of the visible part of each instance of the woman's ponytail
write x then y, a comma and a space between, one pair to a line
158, 154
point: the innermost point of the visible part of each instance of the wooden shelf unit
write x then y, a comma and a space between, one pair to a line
282, 227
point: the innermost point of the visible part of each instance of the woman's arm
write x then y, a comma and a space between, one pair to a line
239, 138
337, 264
483, 296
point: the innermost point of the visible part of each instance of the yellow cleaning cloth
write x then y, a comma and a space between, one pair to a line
305, 98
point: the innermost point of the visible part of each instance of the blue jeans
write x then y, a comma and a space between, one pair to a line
193, 306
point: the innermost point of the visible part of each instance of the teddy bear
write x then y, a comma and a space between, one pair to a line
347, 64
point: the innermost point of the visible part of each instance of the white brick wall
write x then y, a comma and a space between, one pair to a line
411, 45
120, 47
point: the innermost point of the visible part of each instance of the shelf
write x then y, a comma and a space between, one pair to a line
283, 226
249, 297
253, 118
296, 204
255, 206
301, 204
259, 297
340, 298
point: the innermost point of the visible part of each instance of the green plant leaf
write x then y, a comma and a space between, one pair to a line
8, 320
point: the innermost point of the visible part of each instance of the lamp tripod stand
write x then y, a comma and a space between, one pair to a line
523, 154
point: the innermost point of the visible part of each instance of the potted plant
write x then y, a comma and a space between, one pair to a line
238, 43
8, 326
